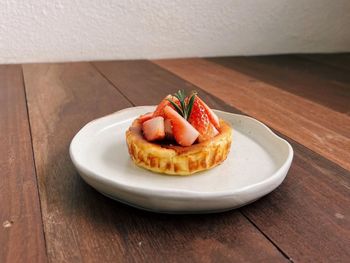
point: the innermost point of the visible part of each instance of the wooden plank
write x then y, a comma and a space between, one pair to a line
130, 77
21, 229
308, 216
341, 60
319, 83
145, 83
309, 211
61, 99
81, 224
319, 128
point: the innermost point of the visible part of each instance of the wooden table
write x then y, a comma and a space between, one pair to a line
48, 213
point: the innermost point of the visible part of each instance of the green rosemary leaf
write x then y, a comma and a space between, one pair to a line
182, 97
177, 95
177, 108
190, 105
184, 109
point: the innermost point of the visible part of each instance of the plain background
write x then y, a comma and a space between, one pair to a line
73, 30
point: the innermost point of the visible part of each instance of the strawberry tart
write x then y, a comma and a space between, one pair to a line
181, 137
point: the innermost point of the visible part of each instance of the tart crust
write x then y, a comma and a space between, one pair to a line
178, 160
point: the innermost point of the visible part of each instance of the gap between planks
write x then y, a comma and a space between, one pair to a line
22, 227
33, 156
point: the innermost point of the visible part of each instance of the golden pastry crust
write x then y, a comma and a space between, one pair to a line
178, 160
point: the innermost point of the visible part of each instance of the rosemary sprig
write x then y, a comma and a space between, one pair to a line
186, 103
177, 108
190, 104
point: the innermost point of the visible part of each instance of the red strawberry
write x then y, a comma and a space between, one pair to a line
153, 129
183, 131
212, 116
160, 108
146, 117
199, 118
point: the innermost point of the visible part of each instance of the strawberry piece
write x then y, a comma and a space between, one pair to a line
183, 131
146, 117
214, 119
160, 108
153, 129
199, 117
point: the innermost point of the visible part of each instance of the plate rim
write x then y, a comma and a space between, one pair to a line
178, 193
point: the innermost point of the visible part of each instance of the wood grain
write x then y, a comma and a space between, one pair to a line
21, 229
307, 217
81, 224
61, 99
341, 60
319, 128
316, 82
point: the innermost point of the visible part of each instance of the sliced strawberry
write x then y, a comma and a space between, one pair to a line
153, 129
160, 108
199, 118
214, 119
146, 117
183, 131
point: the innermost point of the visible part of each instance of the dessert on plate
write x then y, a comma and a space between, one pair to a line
181, 137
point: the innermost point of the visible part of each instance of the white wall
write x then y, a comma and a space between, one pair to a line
62, 30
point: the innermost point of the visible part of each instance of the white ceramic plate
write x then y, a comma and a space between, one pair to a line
257, 163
